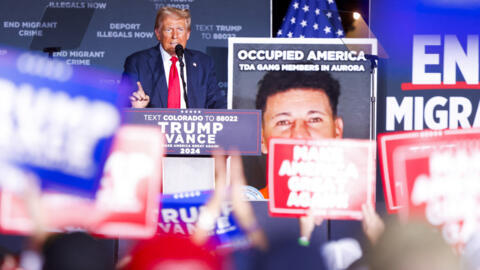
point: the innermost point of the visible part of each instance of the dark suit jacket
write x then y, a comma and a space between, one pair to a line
147, 67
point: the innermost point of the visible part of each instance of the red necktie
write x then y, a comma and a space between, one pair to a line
173, 86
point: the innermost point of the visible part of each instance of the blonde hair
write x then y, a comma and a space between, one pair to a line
175, 13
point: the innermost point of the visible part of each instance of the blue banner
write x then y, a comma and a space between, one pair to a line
180, 212
103, 33
201, 131
56, 121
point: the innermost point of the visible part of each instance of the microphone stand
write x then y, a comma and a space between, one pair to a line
373, 68
182, 70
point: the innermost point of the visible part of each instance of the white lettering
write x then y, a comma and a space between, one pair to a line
421, 59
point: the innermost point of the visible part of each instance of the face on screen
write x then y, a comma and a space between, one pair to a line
300, 114
172, 31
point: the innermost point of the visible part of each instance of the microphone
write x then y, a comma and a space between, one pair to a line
179, 52
373, 61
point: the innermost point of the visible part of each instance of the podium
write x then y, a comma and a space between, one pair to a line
184, 174
193, 135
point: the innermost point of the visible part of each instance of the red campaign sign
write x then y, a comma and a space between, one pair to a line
437, 173
389, 144
126, 204
331, 178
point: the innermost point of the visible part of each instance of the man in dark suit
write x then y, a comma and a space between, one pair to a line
157, 71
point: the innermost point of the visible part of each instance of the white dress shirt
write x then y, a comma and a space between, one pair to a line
166, 66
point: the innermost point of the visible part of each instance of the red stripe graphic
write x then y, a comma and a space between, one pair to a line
458, 85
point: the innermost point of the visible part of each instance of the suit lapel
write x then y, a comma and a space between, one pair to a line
160, 88
192, 77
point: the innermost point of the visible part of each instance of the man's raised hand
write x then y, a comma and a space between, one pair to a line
139, 99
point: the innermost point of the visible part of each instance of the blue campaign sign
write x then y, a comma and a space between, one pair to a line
202, 131
179, 213
57, 121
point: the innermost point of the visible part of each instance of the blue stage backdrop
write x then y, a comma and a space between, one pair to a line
430, 78
102, 33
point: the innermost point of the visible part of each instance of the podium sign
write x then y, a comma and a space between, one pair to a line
202, 131
331, 178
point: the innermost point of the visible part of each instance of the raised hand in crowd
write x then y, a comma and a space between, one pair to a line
372, 224
242, 209
307, 225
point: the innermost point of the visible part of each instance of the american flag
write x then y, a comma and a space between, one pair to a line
312, 18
